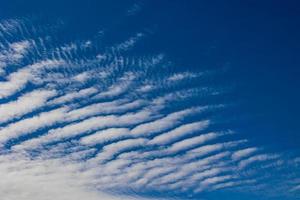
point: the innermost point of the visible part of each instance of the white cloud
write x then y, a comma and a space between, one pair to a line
106, 135
29, 125
24, 104
182, 76
16, 81
129, 43
164, 123
74, 95
243, 153
23, 178
179, 132
111, 107
256, 158
88, 125
192, 142
188, 169
207, 149
13, 54
118, 88
212, 181
111, 149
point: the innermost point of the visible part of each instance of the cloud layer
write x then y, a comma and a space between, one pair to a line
79, 121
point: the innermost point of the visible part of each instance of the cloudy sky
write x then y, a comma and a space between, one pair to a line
141, 100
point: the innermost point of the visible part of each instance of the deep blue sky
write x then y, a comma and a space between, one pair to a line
254, 45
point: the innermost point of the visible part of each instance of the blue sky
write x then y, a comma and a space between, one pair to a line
149, 100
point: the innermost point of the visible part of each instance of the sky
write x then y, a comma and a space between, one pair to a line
149, 100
